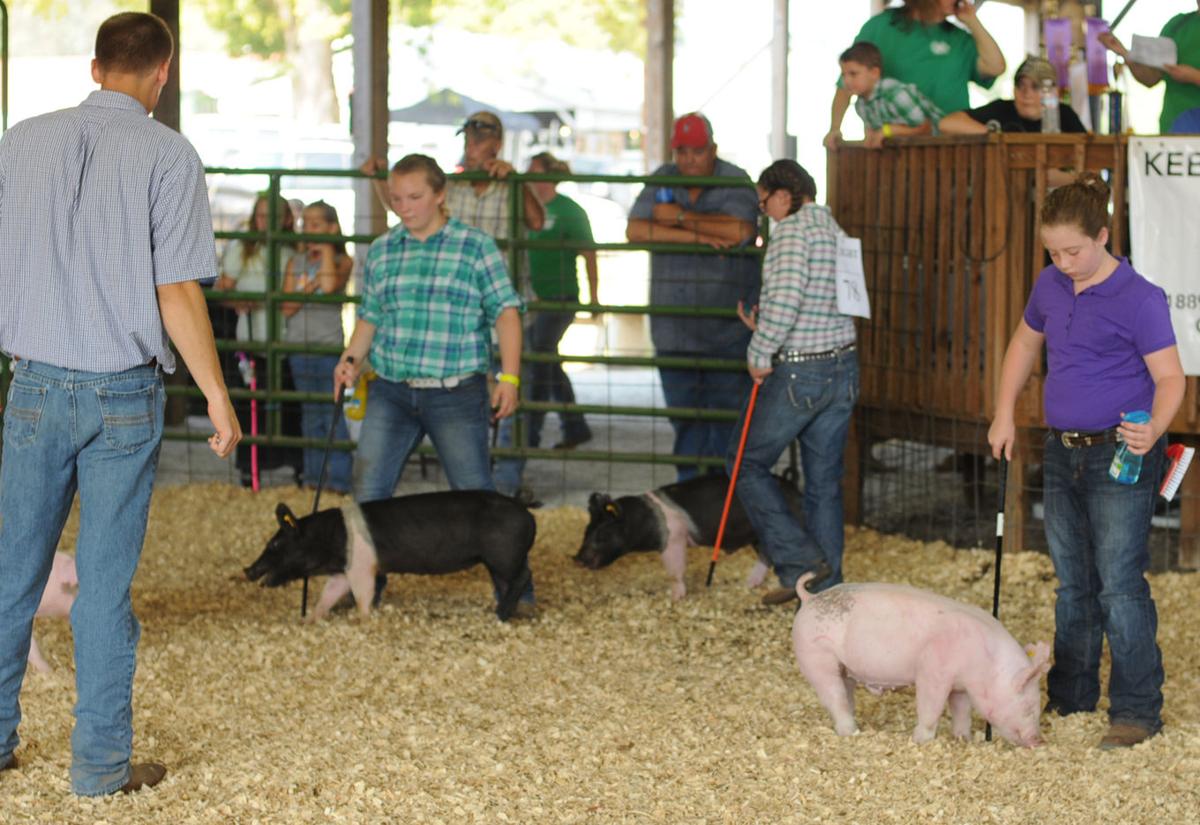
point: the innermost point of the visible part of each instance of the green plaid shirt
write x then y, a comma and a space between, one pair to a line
434, 302
896, 102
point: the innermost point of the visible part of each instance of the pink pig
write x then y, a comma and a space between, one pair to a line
57, 599
886, 636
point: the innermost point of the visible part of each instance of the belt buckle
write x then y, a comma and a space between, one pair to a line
1067, 437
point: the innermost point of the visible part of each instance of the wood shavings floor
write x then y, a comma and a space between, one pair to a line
615, 706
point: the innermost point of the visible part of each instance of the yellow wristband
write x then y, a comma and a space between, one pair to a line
509, 378
887, 130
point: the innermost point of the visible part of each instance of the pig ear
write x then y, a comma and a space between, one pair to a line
285, 516
1039, 656
599, 504
1039, 664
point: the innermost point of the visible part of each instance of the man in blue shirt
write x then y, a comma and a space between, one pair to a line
105, 233
721, 217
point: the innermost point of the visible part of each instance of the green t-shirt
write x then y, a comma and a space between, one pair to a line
552, 271
938, 59
1184, 29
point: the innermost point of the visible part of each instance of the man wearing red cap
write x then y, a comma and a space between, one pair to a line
721, 217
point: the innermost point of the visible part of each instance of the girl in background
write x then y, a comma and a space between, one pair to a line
323, 268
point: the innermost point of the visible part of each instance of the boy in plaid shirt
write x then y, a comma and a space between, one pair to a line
887, 106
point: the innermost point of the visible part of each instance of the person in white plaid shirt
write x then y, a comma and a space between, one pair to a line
802, 355
887, 106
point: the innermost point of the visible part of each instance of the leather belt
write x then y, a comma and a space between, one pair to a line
1073, 439
791, 356
437, 383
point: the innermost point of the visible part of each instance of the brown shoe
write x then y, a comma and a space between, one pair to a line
779, 595
1124, 735
144, 775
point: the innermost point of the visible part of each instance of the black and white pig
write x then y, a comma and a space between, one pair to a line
430, 533
670, 519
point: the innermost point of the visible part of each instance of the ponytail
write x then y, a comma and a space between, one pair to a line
1082, 203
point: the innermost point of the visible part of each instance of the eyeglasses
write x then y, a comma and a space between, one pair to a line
762, 202
476, 125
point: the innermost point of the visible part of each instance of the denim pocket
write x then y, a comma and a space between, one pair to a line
23, 412
808, 391
128, 417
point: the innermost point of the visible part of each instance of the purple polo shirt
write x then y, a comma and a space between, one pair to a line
1095, 345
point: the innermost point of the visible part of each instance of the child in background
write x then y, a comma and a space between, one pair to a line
887, 106
321, 269
1110, 351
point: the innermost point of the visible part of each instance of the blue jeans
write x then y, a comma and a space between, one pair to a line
703, 389
545, 382
98, 433
314, 373
813, 402
398, 417
1098, 531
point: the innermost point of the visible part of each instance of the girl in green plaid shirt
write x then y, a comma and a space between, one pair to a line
433, 289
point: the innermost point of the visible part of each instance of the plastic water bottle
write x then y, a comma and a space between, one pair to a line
664, 194
1126, 467
1050, 124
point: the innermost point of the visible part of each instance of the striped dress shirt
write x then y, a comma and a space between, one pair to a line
99, 206
797, 309
434, 302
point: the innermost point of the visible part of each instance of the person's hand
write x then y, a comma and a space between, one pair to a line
1182, 74
1110, 42
758, 373
345, 374
504, 400
833, 140
964, 10
228, 431
373, 165
715, 241
874, 139
1001, 436
1139, 437
750, 318
498, 169
667, 213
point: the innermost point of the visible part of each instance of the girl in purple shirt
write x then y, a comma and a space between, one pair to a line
1110, 350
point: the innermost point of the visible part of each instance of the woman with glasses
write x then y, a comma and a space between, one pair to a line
802, 355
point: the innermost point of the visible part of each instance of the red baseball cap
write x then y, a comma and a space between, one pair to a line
692, 130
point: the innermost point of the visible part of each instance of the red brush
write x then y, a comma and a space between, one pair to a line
1180, 457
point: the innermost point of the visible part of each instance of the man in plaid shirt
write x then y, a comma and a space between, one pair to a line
887, 106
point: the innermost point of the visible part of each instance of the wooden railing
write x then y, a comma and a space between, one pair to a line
951, 244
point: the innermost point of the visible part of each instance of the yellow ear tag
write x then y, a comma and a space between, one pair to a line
611, 508
289, 521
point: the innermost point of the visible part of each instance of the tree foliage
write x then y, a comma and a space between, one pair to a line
598, 24
261, 27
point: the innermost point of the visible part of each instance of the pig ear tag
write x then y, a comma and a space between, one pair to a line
610, 508
290, 521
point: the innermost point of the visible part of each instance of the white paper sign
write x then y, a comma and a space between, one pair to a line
1153, 51
851, 283
1164, 200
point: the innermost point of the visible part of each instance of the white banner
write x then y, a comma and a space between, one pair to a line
1164, 229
